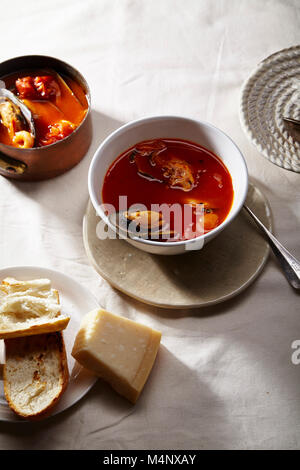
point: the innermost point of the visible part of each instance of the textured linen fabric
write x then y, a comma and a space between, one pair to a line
224, 376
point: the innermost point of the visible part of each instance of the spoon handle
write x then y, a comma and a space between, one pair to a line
289, 264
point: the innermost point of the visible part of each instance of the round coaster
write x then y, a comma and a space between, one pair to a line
271, 93
221, 270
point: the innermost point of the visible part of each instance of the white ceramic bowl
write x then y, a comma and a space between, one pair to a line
170, 127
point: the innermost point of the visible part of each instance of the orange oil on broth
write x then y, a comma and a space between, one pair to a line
71, 105
210, 184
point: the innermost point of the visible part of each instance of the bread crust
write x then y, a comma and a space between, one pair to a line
55, 324
12, 346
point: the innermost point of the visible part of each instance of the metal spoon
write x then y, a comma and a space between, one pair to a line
293, 126
24, 109
289, 264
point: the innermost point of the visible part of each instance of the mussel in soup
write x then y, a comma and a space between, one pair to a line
182, 180
58, 105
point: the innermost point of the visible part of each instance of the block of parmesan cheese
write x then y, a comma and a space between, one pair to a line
118, 350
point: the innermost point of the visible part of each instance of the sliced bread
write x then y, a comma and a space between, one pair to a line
35, 373
29, 308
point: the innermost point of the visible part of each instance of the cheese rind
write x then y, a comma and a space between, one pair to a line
119, 350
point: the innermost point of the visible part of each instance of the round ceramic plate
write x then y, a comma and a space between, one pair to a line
222, 269
271, 93
76, 301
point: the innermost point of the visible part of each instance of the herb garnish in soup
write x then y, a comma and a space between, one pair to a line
179, 185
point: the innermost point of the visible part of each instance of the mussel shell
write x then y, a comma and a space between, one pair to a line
23, 108
127, 226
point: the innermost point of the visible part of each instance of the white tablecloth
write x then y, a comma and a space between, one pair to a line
224, 376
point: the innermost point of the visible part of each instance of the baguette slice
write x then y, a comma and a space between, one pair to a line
35, 374
29, 308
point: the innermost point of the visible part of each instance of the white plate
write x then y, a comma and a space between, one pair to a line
76, 301
272, 92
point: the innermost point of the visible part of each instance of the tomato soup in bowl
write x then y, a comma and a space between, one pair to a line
171, 183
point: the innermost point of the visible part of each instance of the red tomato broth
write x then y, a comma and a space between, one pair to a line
212, 184
71, 105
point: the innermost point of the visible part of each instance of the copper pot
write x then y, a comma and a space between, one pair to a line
41, 163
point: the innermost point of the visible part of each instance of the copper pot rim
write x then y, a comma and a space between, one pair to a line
87, 93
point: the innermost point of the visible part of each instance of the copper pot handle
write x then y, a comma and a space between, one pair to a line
11, 165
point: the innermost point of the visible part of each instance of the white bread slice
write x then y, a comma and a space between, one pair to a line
29, 308
35, 374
